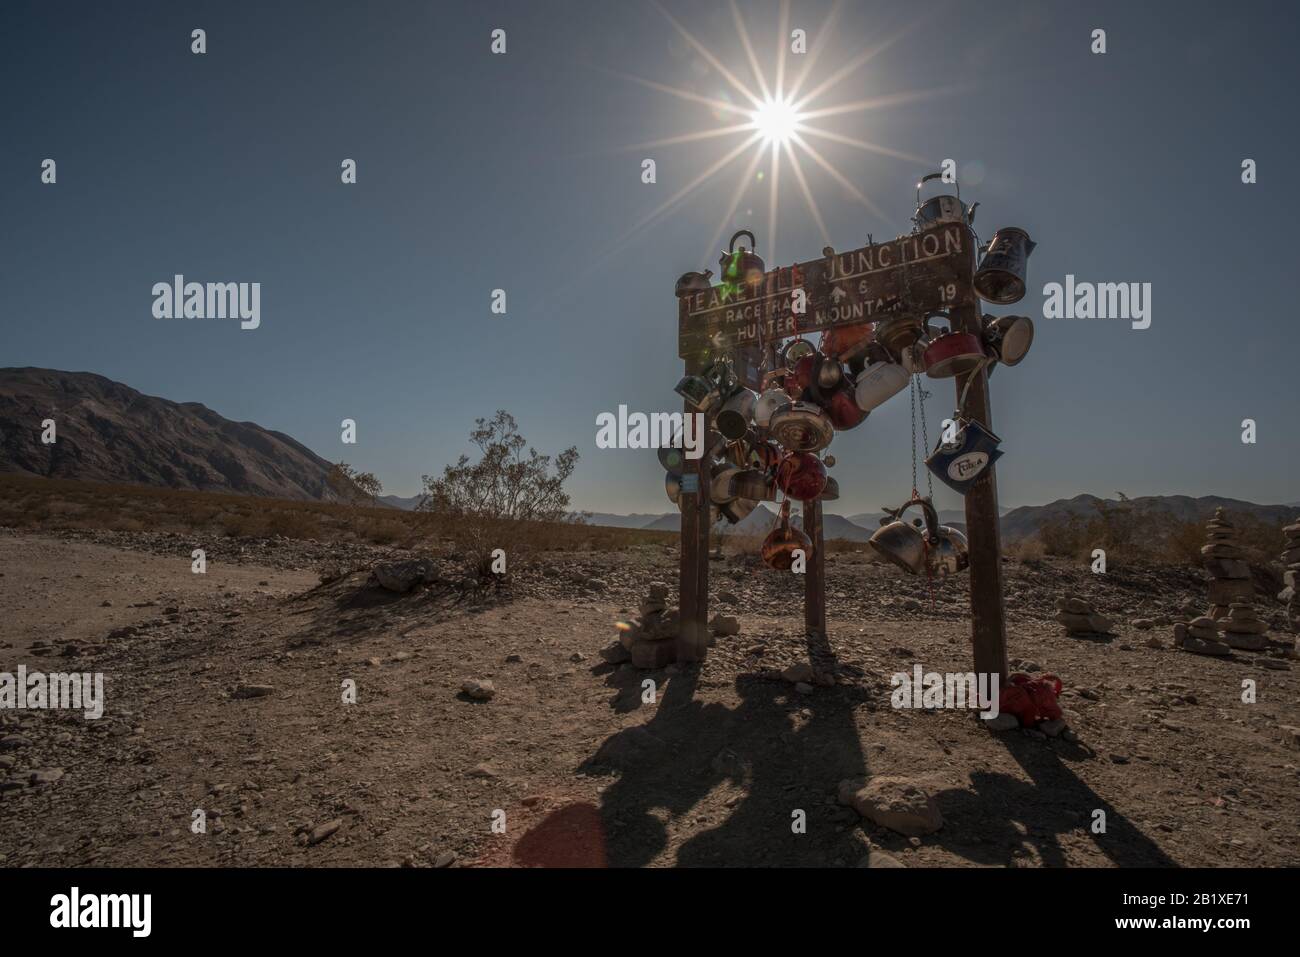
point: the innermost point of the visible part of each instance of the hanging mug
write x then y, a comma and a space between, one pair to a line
959, 464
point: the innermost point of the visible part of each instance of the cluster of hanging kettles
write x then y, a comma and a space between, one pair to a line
772, 444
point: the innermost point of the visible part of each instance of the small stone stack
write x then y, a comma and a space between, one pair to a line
1243, 629
1080, 620
651, 639
1200, 637
1226, 564
1291, 576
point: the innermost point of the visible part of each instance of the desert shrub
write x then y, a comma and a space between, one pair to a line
498, 500
1128, 530
293, 524
1063, 537
1183, 541
240, 525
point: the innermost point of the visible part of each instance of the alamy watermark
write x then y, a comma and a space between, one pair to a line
1100, 300
179, 299
75, 909
74, 691
959, 690
654, 430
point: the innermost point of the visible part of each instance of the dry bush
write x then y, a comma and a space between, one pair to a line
1127, 530
1183, 541
293, 524
497, 501
1026, 549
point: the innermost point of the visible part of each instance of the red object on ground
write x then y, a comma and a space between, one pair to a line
1031, 700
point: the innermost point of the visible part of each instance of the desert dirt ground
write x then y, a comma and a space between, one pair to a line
581, 769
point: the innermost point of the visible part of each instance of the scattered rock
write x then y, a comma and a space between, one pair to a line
725, 625
796, 673
615, 653
403, 576
878, 858
252, 691
898, 803
479, 689
1052, 728
1002, 722
321, 831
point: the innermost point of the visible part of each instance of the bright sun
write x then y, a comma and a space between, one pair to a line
776, 120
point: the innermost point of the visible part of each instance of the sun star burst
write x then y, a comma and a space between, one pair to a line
781, 120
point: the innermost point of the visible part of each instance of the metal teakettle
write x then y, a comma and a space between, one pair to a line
692, 282
1001, 275
959, 464
782, 542
1007, 338
742, 268
802, 427
940, 209
737, 412
938, 551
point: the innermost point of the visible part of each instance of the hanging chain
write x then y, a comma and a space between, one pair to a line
919, 395
925, 441
915, 386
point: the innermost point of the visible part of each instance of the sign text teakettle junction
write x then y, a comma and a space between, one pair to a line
915, 274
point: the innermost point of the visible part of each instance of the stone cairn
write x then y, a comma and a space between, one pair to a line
648, 641
1080, 620
1200, 636
1225, 562
1291, 576
1243, 629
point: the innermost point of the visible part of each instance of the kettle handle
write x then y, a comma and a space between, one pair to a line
931, 516
929, 176
753, 243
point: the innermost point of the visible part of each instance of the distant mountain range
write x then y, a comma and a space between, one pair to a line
1017, 523
108, 432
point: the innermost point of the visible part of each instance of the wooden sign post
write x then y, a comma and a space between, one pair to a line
693, 630
914, 276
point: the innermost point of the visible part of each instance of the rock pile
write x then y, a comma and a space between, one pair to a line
1226, 564
1243, 629
650, 640
1080, 620
1291, 577
1201, 637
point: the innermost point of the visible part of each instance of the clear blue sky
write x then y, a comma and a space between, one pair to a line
479, 171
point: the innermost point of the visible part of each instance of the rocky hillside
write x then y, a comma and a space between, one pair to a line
109, 432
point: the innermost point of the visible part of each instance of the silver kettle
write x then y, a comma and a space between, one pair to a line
938, 552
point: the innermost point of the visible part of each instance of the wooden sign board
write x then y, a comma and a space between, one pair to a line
915, 274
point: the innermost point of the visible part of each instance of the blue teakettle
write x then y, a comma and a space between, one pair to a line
960, 463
